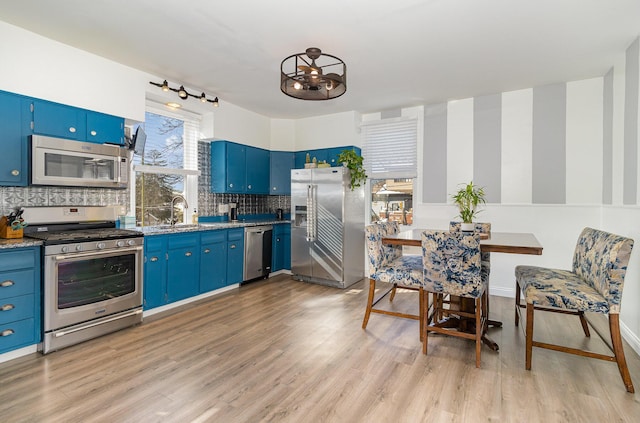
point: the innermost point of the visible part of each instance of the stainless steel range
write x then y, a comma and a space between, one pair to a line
92, 273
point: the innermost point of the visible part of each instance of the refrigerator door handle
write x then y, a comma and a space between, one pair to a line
311, 215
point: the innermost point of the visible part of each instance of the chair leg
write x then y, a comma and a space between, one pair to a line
618, 351
529, 336
585, 325
393, 292
517, 304
479, 329
367, 313
425, 319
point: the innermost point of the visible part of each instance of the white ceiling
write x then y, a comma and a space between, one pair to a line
398, 52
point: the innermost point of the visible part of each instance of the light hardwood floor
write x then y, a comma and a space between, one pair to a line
286, 351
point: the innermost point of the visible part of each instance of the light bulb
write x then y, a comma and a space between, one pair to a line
165, 86
297, 85
203, 98
182, 93
215, 102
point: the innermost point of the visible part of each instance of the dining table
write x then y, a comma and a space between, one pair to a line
494, 242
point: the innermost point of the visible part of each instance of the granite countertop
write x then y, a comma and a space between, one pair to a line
205, 226
19, 243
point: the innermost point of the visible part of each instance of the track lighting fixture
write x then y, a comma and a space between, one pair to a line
184, 94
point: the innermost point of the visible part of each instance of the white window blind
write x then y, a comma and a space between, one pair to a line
390, 148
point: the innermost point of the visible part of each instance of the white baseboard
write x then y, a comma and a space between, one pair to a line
630, 337
18, 353
160, 309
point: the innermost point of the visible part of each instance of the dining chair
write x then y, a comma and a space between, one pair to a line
388, 264
485, 258
594, 284
451, 262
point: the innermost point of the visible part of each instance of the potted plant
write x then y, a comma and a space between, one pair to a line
351, 160
468, 198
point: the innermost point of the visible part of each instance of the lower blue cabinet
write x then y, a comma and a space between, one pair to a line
19, 298
213, 260
183, 265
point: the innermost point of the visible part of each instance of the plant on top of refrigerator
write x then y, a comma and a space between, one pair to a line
353, 162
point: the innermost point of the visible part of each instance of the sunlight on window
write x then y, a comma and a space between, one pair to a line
392, 200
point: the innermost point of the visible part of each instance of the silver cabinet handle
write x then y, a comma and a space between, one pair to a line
230, 185
15, 172
188, 254
249, 187
154, 258
7, 283
207, 251
7, 307
72, 129
93, 133
7, 332
232, 246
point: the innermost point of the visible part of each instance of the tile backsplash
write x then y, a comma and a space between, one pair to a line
247, 203
11, 197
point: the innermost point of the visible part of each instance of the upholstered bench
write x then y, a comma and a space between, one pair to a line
593, 285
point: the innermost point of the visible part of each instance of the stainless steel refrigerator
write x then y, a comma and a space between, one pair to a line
327, 233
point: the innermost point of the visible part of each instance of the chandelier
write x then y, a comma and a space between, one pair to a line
313, 75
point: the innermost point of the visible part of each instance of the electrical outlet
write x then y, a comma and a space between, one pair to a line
223, 208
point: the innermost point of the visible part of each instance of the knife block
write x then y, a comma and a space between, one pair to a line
6, 231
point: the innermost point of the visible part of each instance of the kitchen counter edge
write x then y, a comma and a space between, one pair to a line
208, 226
6, 244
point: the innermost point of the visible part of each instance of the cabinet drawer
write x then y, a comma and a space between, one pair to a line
213, 237
155, 243
235, 234
183, 241
13, 284
18, 259
16, 308
16, 334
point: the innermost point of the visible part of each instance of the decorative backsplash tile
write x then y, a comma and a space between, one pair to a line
11, 197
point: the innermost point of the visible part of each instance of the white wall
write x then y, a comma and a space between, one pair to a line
283, 134
233, 123
327, 131
39, 67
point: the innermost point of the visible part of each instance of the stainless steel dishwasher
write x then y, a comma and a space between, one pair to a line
257, 252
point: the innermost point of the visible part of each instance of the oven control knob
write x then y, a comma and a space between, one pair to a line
120, 243
100, 245
78, 247
65, 249
131, 242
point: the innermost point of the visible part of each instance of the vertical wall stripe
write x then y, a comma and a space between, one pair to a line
459, 143
607, 138
630, 188
487, 148
549, 144
584, 142
434, 153
517, 123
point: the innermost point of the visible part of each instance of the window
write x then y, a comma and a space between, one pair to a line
390, 161
167, 168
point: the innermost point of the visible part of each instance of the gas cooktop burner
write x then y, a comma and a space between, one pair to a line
80, 235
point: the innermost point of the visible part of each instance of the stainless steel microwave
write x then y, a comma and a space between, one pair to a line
56, 161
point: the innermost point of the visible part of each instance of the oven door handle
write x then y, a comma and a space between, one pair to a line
58, 334
94, 254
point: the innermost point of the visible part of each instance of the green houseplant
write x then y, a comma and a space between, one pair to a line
353, 162
468, 198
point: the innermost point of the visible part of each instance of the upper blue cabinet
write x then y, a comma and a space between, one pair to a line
329, 155
14, 139
239, 169
281, 164
59, 120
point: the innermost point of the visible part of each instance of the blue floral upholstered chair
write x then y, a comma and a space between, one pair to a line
451, 262
593, 285
388, 264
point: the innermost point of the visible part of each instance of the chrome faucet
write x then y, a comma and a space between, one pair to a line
173, 204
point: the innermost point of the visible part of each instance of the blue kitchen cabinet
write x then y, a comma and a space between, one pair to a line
103, 128
213, 260
235, 255
59, 120
20, 324
320, 154
280, 173
257, 165
239, 169
155, 271
183, 275
286, 244
14, 140
281, 247
300, 158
